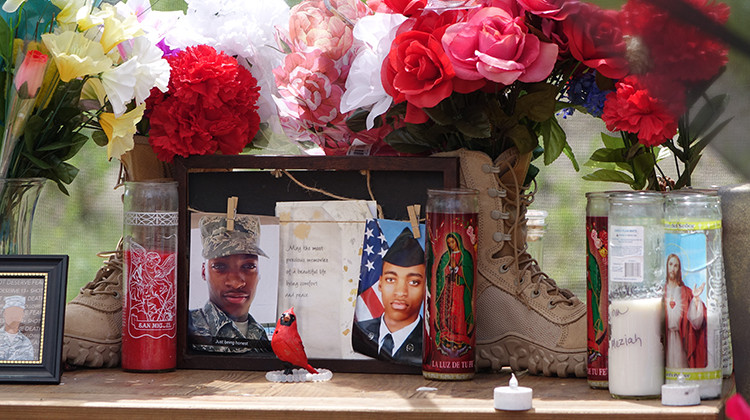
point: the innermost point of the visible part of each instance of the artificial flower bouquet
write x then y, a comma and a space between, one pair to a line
71, 70
436, 75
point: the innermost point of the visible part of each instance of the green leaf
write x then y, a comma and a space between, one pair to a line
440, 114
569, 153
65, 172
700, 145
612, 142
522, 138
554, 140
708, 114
643, 168
101, 139
609, 155
475, 125
37, 162
609, 175
76, 143
404, 141
538, 104
531, 173
6, 42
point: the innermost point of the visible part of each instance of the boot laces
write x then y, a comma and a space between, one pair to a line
109, 274
521, 200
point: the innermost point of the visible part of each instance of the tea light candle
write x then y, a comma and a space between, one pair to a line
680, 393
513, 397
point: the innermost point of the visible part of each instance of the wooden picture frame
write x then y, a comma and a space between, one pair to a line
32, 291
205, 183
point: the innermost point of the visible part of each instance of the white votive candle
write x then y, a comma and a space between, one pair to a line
513, 397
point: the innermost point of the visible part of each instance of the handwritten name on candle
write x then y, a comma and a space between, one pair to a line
626, 341
614, 313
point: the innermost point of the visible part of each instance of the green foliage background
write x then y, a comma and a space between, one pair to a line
90, 220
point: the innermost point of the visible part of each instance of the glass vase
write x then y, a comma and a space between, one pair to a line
18, 199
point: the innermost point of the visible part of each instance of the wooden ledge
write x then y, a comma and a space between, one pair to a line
113, 394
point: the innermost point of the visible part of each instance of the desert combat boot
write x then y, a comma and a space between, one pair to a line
93, 319
523, 320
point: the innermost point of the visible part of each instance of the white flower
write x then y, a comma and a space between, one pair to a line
156, 24
134, 78
10, 6
119, 83
364, 88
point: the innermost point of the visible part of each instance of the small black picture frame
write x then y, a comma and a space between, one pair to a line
259, 182
32, 291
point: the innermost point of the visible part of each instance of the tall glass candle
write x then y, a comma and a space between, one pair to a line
150, 273
449, 327
597, 209
695, 293
636, 289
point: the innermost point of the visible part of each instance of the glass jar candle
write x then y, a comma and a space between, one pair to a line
149, 329
597, 209
697, 316
536, 226
636, 289
451, 245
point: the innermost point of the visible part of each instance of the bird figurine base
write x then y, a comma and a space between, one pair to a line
299, 375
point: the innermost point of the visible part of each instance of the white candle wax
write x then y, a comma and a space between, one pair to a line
636, 350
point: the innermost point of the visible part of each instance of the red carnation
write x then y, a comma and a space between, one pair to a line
210, 106
634, 109
676, 49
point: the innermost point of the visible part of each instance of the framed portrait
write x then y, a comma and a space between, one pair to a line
32, 301
206, 279
260, 183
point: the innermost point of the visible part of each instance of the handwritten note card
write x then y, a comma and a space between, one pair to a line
321, 246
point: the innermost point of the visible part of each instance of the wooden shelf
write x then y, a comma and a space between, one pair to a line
113, 394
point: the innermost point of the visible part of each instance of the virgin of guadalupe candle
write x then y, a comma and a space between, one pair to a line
597, 208
449, 333
695, 293
636, 311
149, 312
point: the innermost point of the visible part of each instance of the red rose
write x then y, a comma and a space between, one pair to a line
417, 70
406, 7
634, 109
209, 107
595, 38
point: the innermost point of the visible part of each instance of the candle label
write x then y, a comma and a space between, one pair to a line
596, 293
693, 299
626, 250
449, 337
149, 309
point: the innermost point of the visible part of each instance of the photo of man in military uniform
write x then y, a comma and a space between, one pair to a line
230, 270
14, 346
396, 336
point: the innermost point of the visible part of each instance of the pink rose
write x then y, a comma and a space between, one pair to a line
31, 73
551, 9
595, 38
417, 70
496, 45
312, 25
308, 84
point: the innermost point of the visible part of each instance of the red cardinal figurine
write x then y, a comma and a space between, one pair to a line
287, 344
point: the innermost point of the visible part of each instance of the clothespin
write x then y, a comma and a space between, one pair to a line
231, 212
414, 212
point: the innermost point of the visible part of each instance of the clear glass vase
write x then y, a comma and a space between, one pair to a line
18, 199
